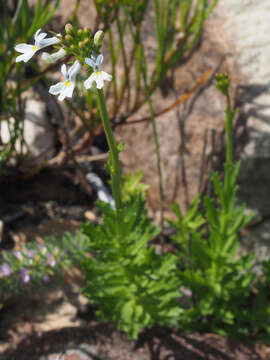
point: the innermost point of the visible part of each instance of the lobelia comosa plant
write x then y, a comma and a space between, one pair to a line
219, 280
129, 281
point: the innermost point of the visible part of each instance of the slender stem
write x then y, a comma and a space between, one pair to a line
229, 119
115, 172
228, 177
17, 12
229, 150
113, 59
125, 80
138, 60
157, 146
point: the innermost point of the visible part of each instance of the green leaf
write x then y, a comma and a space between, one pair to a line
132, 186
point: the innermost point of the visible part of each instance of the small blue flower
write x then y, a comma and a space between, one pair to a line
98, 76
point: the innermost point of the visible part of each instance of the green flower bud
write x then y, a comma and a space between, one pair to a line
80, 32
98, 38
69, 28
222, 83
68, 37
81, 44
86, 31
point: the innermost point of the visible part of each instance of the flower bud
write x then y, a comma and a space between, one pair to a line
222, 83
81, 44
80, 32
98, 38
69, 28
52, 58
68, 38
86, 31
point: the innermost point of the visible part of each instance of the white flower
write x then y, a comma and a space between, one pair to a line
65, 88
29, 50
98, 76
52, 58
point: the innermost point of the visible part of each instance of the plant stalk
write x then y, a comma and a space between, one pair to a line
116, 180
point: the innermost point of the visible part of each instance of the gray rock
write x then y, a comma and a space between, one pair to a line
246, 24
38, 135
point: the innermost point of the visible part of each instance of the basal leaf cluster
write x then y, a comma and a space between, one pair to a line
131, 283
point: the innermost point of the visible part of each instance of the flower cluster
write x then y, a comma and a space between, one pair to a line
37, 264
66, 87
33, 265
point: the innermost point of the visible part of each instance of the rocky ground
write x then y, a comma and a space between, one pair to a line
58, 320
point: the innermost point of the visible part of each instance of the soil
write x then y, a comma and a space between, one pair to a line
59, 320
42, 325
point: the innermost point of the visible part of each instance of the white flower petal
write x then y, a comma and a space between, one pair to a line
62, 96
46, 57
64, 70
26, 56
106, 76
40, 37
36, 34
59, 54
20, 58
57, 88
99, 60
89, 82
73, 71
65, 93
100, 82
90, 62
47, 42
23, 48
70, 89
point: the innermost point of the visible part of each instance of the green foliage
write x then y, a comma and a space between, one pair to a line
219, 279
132, 185
131, 283
136, 9
17, 25
259, 313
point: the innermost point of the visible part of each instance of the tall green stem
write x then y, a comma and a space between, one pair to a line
156, 140
229, 120
116, 180
113, 59
229, 147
